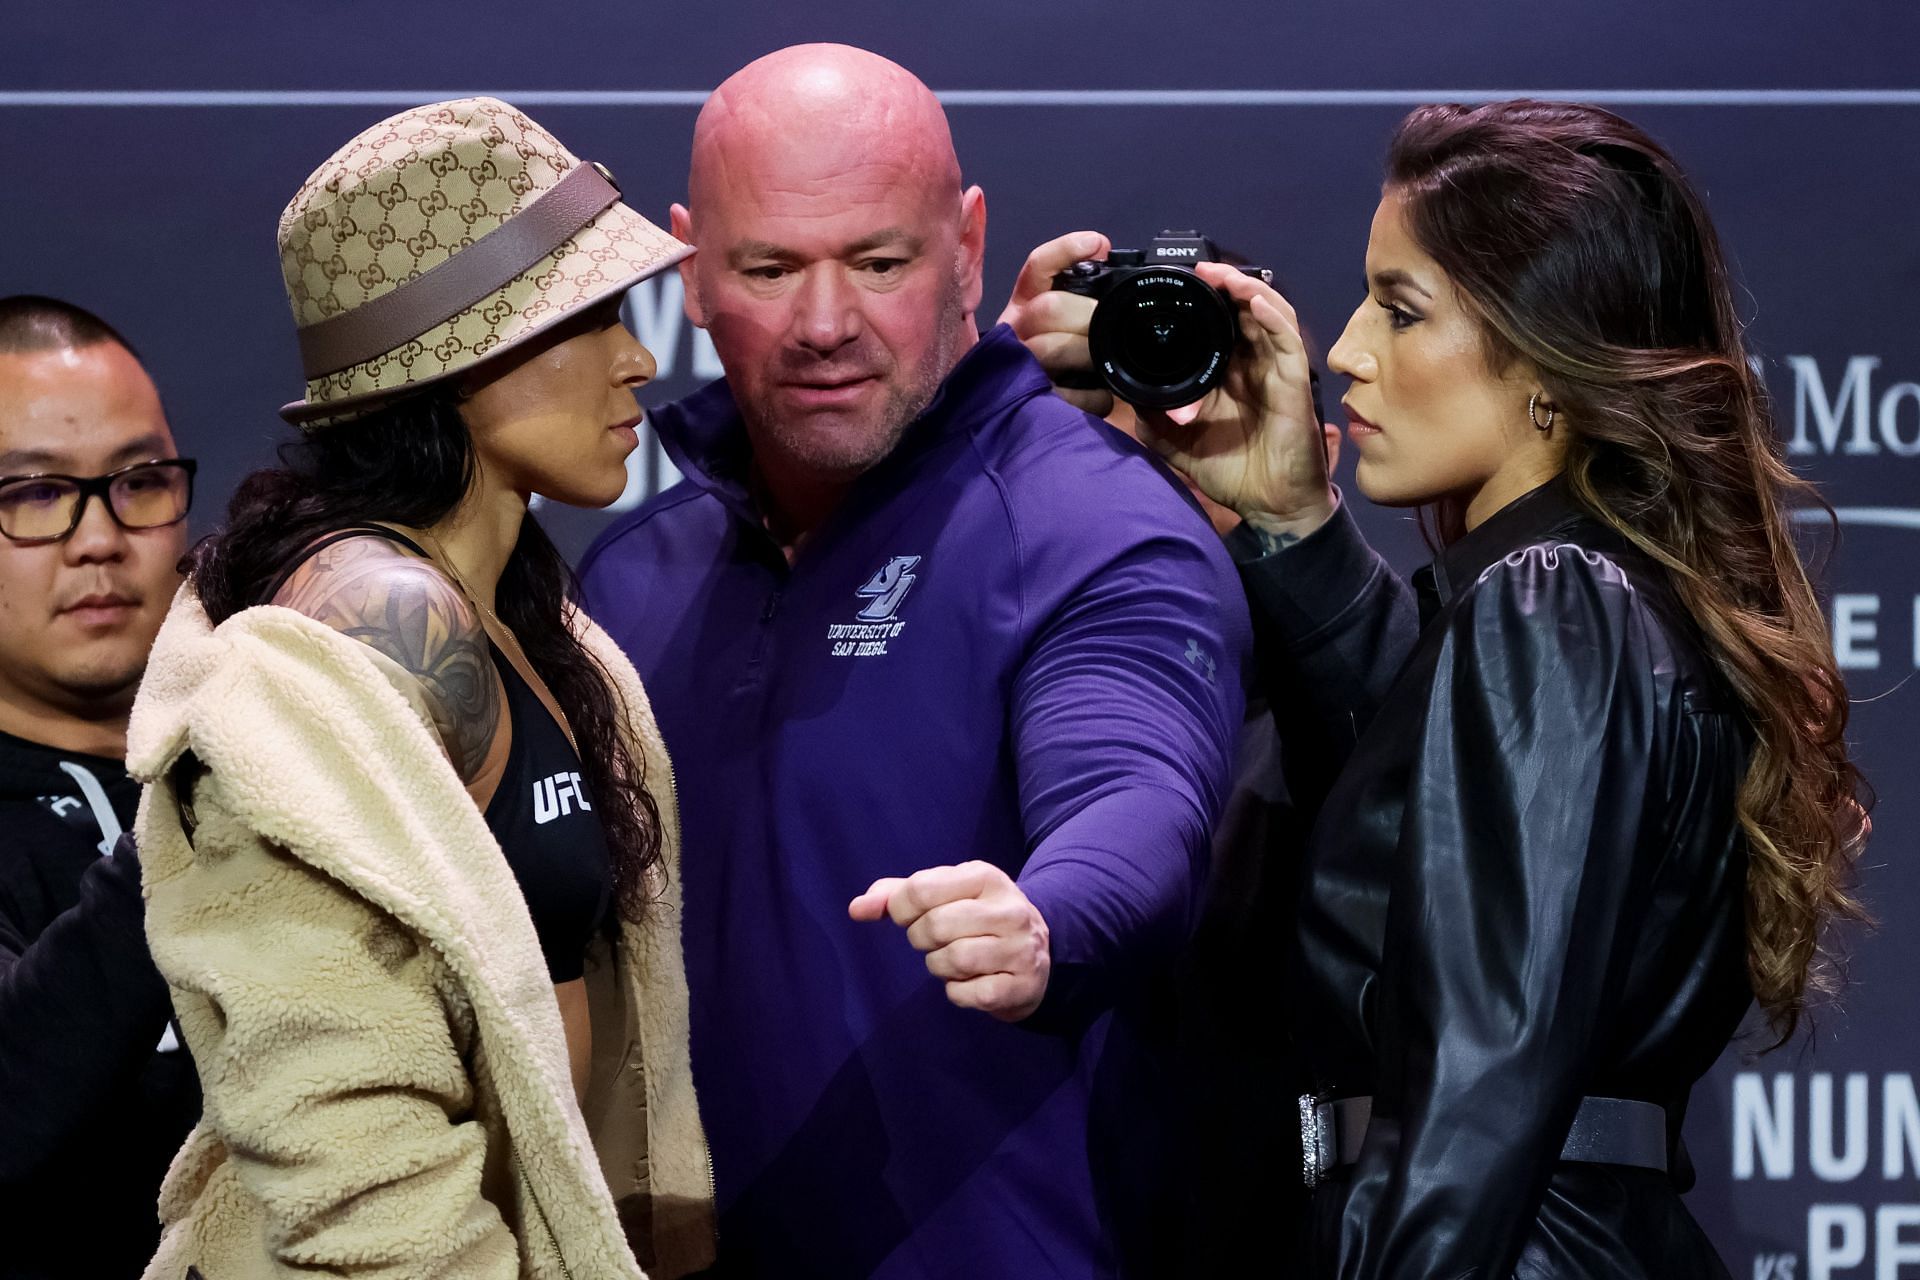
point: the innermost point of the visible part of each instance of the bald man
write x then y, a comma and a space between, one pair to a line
950, 673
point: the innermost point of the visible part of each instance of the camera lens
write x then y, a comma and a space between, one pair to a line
1160, 341
1161, 337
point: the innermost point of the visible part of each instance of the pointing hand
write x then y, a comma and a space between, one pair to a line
980, 934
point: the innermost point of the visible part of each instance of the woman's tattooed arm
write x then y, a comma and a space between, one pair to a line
403, 608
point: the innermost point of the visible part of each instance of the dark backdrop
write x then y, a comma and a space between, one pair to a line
147, 150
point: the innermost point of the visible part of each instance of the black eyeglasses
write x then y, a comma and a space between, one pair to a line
47, 508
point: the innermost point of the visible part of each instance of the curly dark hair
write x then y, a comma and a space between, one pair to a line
411, 463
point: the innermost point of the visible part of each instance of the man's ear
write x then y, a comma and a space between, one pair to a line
680, 221
973, 246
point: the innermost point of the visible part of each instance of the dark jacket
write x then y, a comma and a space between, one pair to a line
1014, 640
1526, 887
91, 1106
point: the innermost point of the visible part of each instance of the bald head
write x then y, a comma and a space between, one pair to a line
838, 104
839, 260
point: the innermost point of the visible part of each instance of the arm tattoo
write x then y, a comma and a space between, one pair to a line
403, 608
1270, 541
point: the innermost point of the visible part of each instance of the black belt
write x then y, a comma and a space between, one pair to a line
1604, 1131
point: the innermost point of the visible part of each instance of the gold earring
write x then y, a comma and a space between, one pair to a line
1542, 427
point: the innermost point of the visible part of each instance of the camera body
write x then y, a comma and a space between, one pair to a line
1160, 335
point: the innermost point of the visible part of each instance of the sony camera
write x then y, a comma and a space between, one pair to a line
1160, 335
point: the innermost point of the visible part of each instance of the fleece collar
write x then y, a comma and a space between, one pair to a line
290, 714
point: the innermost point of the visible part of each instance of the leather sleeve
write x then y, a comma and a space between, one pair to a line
1333, 625
1531, 809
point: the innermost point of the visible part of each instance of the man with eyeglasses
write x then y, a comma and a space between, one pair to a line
95, 1092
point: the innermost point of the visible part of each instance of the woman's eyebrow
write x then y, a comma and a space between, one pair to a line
1391, 276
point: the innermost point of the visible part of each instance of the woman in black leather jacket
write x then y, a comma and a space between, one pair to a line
1592, 794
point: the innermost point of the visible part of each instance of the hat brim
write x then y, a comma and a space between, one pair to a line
612, 253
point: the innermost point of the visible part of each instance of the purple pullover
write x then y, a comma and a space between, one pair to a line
1015, 640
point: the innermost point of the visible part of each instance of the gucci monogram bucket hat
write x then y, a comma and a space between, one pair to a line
443, 236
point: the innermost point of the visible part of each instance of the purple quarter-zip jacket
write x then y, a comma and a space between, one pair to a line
1015, 640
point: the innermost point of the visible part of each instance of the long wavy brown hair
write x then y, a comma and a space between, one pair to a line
1583, 250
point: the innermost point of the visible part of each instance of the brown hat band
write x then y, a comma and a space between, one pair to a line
381, 324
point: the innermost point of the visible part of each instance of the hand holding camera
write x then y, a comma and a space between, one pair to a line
1053, 324
1160, 336
1209, 354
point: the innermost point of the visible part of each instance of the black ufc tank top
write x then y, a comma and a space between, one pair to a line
546, 824
541, 813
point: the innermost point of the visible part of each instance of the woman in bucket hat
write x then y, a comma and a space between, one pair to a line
410, 830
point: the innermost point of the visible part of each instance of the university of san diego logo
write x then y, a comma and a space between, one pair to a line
877, 622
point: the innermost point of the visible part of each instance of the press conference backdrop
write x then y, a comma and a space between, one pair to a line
147, 151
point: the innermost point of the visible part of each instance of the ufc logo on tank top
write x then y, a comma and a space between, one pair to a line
557, 796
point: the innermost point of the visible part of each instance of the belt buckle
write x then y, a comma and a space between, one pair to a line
1319, 1144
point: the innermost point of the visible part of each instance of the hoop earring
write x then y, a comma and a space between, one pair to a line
1544, 428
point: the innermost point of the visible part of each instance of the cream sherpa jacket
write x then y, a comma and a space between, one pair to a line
387, 1091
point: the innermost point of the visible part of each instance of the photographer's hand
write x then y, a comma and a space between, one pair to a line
1253, 444
1053, 324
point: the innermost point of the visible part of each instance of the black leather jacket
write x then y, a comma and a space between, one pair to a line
1526, 886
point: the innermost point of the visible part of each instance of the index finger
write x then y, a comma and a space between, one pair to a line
872, 904
936, 886
1244, 288
1050, 259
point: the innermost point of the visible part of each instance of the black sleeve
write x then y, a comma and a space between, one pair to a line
81, 1008
1529, 822
1333, 625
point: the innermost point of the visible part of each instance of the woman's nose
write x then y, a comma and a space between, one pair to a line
1349, 356
633, 364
